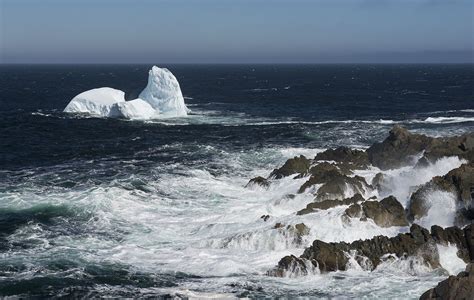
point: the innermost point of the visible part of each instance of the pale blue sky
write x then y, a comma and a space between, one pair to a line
265, 31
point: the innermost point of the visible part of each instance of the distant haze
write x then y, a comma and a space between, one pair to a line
238, 31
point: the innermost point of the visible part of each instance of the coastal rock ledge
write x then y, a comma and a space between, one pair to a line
419, 243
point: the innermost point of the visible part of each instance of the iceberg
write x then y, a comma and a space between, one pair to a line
136, 109
161, 98
96, 102
164, 93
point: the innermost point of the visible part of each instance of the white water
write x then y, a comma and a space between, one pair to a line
449, 260
402, 182
187, 219
442, 209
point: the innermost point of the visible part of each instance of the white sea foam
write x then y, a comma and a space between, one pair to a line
187, 219
441, 209
448, 120
449, 259
404, 181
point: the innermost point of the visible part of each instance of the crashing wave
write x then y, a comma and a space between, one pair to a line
162, 97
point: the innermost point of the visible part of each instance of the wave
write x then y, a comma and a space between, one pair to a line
446, 120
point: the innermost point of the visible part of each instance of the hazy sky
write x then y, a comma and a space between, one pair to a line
167, 31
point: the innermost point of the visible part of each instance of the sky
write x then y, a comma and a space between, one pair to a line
236, 31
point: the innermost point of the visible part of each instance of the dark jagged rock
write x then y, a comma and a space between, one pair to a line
278, 225
419, 242
296, 232
385, 213
336, 189
334, 184
461, 146
296, 165
399, 148
302, 229
454, 287
327, 204
326, 167
259, 180
345, 155
459, 181
377, 181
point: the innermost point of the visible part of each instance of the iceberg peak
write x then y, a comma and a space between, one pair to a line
164, 93
161, 98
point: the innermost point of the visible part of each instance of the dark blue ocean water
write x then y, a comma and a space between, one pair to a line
52, 165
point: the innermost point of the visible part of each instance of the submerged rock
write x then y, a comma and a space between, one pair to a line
454, 287
260, 181
296, 165
295, 232
419, 242
459, 181
385, 213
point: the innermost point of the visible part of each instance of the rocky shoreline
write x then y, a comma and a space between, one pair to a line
332, 177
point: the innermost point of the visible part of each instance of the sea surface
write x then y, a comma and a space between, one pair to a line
107, 207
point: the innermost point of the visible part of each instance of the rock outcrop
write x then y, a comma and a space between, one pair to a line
356, 159
401, 147
385, 213
454, 287
419, 242
296, 165
398, 149
327, 204
335, 185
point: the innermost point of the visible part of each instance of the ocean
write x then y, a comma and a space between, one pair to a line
108, 207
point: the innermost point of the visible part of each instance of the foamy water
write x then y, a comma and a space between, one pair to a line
187, 219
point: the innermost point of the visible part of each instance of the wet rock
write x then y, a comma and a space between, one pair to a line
385, 213
322, 168
397, 149
290, 265
377, 181
459, 181
419, 242
335, 185
338, 187
344, 155
327, 204
461, 146
294, 232
302, 229
353, 211
278, 225
401, 146
454, 287
296, 165
259, 180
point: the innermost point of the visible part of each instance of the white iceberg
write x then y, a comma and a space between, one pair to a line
97, 102
136, 109
163, 93
162, 97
